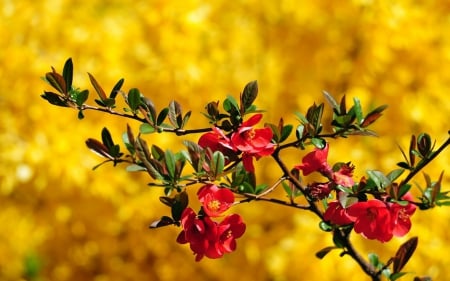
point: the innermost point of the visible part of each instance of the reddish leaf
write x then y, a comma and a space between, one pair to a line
97, 87
404, 253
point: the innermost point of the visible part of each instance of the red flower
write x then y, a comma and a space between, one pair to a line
401, 216
206, 237
218, 141
343, 176
318, 190
315, 161
215, 200
372, 219
336, 214
200, 233
252, 142
231, 228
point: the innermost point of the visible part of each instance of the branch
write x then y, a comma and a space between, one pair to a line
424, 162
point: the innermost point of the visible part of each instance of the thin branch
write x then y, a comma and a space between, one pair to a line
425, 162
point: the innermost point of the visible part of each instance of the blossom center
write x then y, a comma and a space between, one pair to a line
251, 134
402, 215
214, 205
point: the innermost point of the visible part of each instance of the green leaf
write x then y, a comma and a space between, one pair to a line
393, 175
380, 180
374, 260
99, 148
157, 152
54, 99
175, 114
169, 158
186, 119
322, 253
358, 110
134, 99
116, 89
146, 128
299, 131
180, 203
164, 221
395, 276
230, 105
68, 73
81, 97
332, 102
318, 142
106, 138
285, 132
218, 163
97, 87
57, 82
325, 226
162, 116
249, 95
135, 168
80, 114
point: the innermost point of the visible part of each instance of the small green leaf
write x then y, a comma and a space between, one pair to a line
175, 114
325, 226
80, 114
99, 148
218, 163
134, 99
106, 138
146, 128
299, 131
393, 175
285, 132
116, 89
164, 221
57, 82
322, 253
54, 99
380, 180
332, 102
68, 73
169, 158
81, 97
249, 95
395, 276
358, 110
135, 168
319, 143
186, 119
162, 116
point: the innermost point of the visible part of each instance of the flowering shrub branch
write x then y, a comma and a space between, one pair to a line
377, 206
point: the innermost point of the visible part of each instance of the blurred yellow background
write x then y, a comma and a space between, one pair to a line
62, 221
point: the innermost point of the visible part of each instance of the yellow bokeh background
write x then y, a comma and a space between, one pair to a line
62, 221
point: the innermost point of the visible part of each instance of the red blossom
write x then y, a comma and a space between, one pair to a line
318, 190
401, 216
206, 237
343, 176
315, 161
216, 140
372, 219
230, 229
336, 214
215, 200
198, 232
252, 142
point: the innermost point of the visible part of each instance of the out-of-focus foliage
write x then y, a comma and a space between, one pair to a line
62, 221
